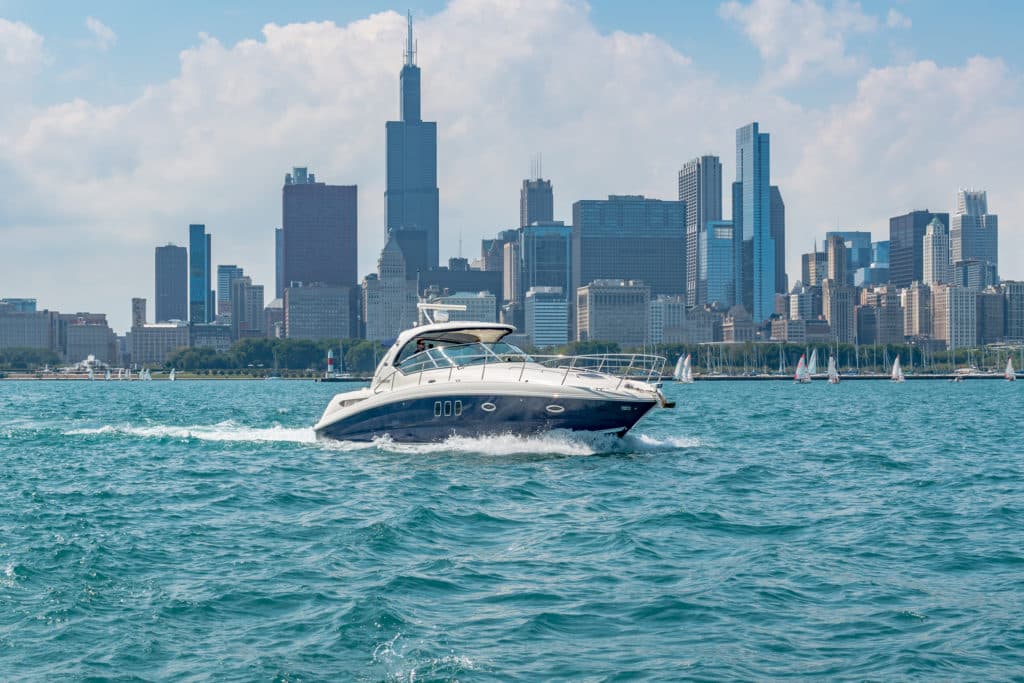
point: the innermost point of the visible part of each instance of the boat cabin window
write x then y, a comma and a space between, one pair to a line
459, 355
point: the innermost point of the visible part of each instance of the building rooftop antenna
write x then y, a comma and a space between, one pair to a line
410, 46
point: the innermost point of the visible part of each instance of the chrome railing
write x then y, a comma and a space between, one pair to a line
637, 366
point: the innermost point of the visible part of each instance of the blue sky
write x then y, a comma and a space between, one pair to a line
115, 137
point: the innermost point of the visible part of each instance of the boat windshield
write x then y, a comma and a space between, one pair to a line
459, 355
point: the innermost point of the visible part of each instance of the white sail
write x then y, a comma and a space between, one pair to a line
1011, 375
687, 370
812, 366
107, 376
833, 372
677, 374
171, 377
802, 374
897, 371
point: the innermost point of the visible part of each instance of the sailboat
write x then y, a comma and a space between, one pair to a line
1011, 375
686, 371
833, 373
677, 374
897, 371
171, 376
812, 365
802, 375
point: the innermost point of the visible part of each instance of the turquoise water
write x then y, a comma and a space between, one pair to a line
194, 530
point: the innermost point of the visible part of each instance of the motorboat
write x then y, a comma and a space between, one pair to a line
444, 379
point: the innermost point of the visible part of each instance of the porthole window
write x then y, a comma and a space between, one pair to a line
555, 409
458, 407
447, 408
488, 407
437, 409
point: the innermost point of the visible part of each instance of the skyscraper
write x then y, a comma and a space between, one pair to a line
546, 256
700, 186
974, 232
200, 285
171, 283
320, 231
138, 312
906, 245
936, 265
536, 201
225, 276
716, 281
813, 268
755, 262
778, 232
858, 249
630, 237
411, 192
838, 272
278, 263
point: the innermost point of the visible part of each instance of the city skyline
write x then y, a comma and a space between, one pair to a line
827, 162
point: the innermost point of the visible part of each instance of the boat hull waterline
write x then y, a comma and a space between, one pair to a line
416, 420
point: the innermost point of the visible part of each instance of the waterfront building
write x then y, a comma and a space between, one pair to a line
801, 331
152, 343
613, 311
278, 263
31, 329
480, 306
319, 231
630, 237
737, 326
138, 312
536, 202
778, 233
936, 266
510, 273
273, 319
12, 305
547, 316
974, 232
389, 295
411, 195
813, 268
88, 334
458, 277
838, 268
703, 325
974, 274
837, 302
916, 301
890, 316
319, 312
667, 320
906, 245
805, 302
991, 315
492, 250
716, 279
246, 304
954, 316
1013, 292
200, 277
225, 276
216, 336
700, 187
545, 254
171, 286
751, 215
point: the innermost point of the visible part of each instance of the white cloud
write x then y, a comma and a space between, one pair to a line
20, 46
93, 188
800, 38
103, 36
895, 19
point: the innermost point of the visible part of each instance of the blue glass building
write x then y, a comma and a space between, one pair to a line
411, 193
171, 286
200, 294
716, 277
545, 253
754, 245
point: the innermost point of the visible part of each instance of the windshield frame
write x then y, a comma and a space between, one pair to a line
455, 356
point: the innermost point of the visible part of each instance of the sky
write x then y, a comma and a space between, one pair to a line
124, 122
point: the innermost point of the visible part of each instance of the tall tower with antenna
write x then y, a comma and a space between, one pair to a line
411, 193
536, 198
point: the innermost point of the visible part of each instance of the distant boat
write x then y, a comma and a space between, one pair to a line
1011, 375
803, 376
171, 376
677, 374
684, 371
812, 365
897, 371
833, 373
107, 377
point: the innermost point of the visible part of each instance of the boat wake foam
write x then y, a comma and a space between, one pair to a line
549, 443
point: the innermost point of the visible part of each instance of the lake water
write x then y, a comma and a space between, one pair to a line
195, 530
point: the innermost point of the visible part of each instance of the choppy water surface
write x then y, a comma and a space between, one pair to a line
195, 530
